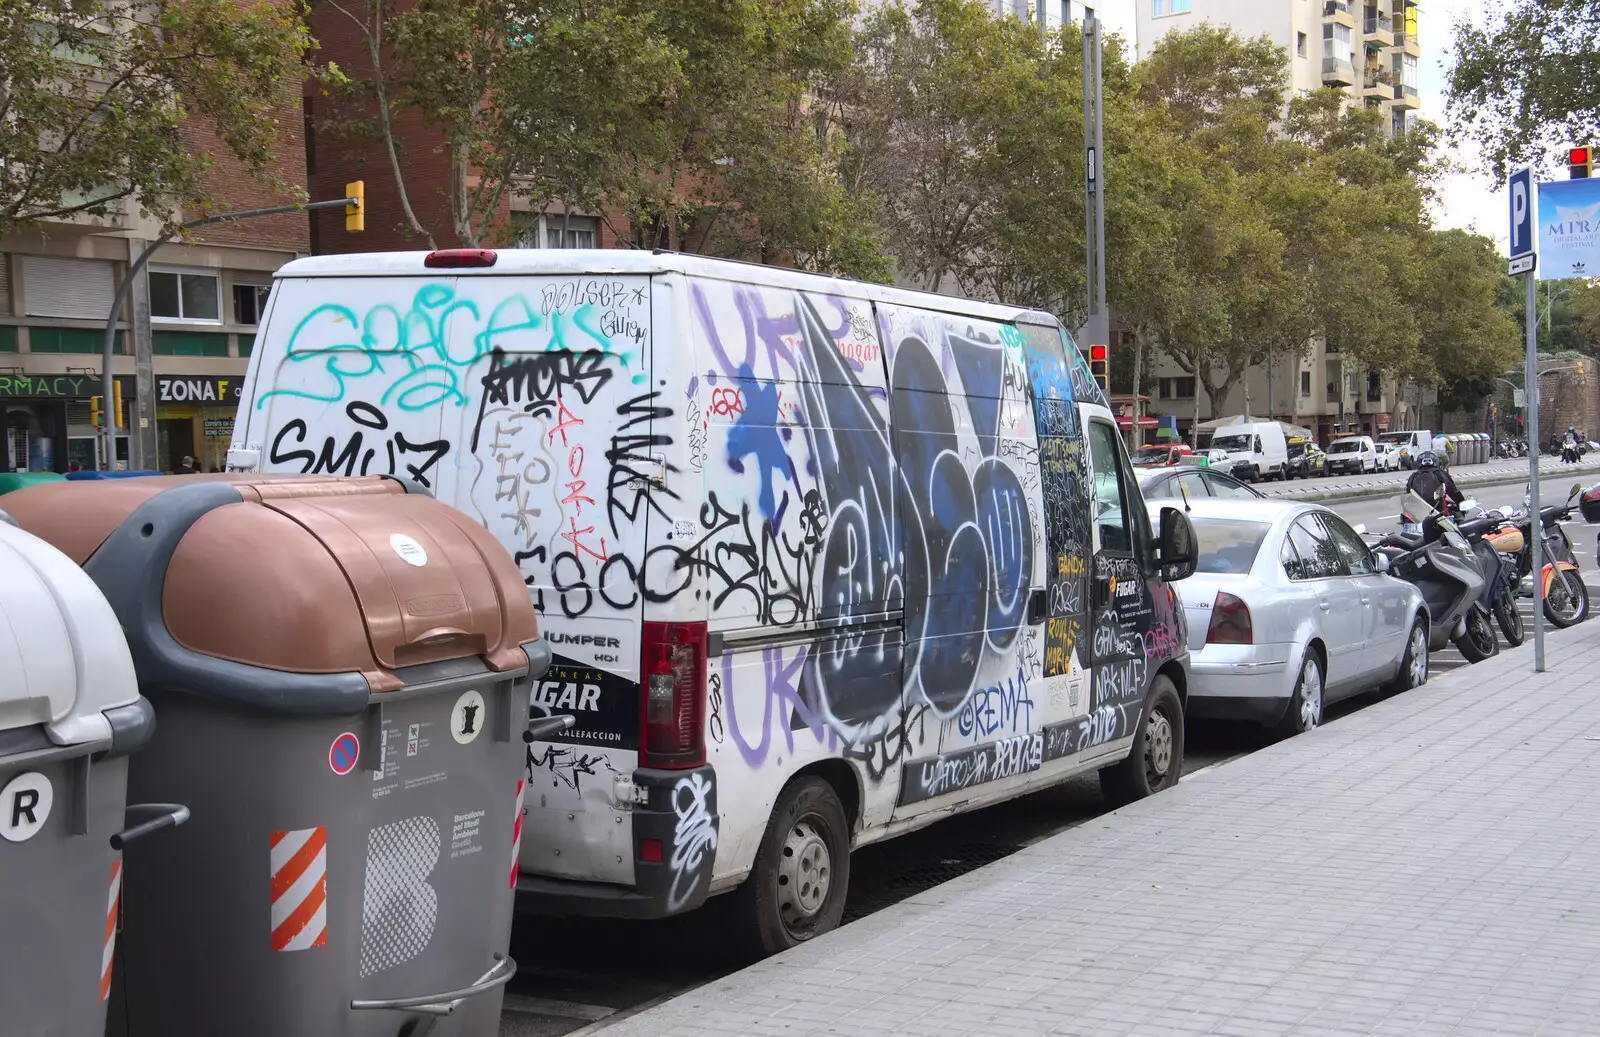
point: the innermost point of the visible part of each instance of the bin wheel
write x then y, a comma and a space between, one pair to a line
797, 888
1155, 762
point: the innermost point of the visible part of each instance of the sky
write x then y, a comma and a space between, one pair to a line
1467, 198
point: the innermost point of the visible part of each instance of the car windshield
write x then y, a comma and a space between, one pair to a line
1228, 545
1150, 455
1297, 449
1345, 446
1241, 442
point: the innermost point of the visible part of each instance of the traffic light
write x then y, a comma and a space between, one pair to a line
116, 404
355, 216
96, 405
1580, 162
1098, 368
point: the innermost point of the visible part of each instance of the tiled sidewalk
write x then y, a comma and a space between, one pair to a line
1427, 865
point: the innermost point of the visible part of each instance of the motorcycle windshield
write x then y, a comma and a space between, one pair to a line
1414, 508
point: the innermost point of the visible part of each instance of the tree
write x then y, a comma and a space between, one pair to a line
1466, 336
1528, 81
93, 97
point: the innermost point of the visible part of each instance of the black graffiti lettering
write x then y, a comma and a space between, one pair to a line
631, 485
356, 455
537, 381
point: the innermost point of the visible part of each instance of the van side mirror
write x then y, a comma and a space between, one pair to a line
1177, 549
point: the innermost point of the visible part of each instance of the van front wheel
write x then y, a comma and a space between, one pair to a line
1156, 759
796, 890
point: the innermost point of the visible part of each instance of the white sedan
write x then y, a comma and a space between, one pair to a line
1288, 610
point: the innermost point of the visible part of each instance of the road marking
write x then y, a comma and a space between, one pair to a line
555, 1007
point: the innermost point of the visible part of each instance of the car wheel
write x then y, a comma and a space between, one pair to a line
1305, 705
1155, 762
1414, 664
796, 890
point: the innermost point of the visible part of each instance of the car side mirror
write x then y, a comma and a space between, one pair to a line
1361, 529
1177, 549
1380, 563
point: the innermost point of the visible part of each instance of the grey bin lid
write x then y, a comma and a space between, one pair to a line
63, 658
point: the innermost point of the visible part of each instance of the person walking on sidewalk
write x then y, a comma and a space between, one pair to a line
1434, 485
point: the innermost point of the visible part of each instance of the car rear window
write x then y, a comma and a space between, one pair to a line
1228, 545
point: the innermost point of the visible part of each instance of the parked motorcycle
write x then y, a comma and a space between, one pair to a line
1496, 543
1566, 596
1442, 565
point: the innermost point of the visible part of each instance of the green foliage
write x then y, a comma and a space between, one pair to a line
1528, 82
93, 95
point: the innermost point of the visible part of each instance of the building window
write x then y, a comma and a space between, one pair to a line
1300, 44
1305, 383
579, 230
249, 302
185, 295
1175, 389
1408, 70
1336, 42
1162, 8
1352, 384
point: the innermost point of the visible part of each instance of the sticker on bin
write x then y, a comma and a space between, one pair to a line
466, 717
299, 889
25, 806
343, 753
516, 833
111, 929
408, 549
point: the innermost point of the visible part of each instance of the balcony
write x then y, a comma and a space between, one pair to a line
1333, 392
1405, 97
1377, 28
1378, 82
1338, 72
1338, 12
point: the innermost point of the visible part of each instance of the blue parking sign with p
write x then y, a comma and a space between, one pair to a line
1522, 212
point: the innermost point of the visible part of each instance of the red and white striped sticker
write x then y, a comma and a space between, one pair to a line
299, 889
113, 905
516, 835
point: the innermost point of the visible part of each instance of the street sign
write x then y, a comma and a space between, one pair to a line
1523, 239
1522, 264
1519, 398
1568, 228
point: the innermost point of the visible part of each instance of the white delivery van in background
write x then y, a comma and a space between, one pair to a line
1352, 455
1411, 443
820, 561
1250, 451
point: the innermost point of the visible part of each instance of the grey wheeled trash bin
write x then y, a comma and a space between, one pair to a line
339, 668
70, 713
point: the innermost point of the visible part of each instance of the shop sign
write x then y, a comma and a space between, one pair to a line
218, 427
202, 389
58, 386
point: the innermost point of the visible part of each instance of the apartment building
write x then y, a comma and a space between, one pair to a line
1369, 50
196, 305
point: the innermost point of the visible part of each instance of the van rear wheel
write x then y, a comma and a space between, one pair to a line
797, 888
1155, 762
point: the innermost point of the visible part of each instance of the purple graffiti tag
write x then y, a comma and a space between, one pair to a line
782, 697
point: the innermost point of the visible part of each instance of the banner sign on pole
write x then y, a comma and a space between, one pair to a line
1569, 229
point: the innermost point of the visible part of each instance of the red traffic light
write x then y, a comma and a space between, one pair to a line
1580, 162
1097, 352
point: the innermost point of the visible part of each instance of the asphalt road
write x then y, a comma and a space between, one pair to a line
576, 975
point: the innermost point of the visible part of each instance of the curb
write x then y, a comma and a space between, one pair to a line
1369, 491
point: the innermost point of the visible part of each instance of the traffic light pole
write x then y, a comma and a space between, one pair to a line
108, 345
1097, 326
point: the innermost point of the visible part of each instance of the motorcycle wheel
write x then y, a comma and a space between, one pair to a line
1478, 642
1568, 601
1509, 617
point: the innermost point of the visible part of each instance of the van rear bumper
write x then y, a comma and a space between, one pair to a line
679, 813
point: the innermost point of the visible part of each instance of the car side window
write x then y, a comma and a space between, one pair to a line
1227, 488
1293, 567
1189, 483
1319, 556
1109, 515
1356, 557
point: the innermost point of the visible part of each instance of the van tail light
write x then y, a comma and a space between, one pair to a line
1230, 622
673, 695
459, 258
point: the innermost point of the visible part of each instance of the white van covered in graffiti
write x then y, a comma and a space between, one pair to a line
820, 561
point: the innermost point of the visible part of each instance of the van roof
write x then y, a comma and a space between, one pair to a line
512, 262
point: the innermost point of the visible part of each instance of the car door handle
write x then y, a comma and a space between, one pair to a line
1365, 600
1322, 603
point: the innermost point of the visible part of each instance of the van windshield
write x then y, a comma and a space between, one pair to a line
1236, 442
1228, 545
1345, 446
1395, 437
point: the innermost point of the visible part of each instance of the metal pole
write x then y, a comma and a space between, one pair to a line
1091, 157
1100, 196
1530, 378
109, 343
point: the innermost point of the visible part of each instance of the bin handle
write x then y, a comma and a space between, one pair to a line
171, 816
443, 1004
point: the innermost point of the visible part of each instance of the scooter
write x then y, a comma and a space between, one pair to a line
1566, 596
1441, 564
1496, 546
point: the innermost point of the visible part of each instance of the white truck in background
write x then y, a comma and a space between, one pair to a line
1411, 442
1250, 451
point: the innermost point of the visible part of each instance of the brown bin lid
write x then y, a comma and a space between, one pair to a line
316, 574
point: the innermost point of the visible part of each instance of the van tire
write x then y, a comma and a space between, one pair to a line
1141, 775
807, 837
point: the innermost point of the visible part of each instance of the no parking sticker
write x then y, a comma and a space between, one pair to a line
25, 806
343, 753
